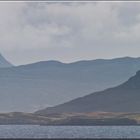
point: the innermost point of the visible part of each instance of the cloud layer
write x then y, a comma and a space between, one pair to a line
34, 31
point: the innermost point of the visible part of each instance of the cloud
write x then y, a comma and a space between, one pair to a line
68, 31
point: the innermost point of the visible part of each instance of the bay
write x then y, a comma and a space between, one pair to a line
36, 131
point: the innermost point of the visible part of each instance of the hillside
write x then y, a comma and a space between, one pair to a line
43, 84
123, 98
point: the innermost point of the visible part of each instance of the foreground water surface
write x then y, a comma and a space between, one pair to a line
34, 131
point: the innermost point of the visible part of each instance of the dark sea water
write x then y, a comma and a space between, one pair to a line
34, 131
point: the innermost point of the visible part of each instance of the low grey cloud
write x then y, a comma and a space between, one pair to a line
35, 31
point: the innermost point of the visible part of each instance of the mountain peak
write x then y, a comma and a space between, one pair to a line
4, 63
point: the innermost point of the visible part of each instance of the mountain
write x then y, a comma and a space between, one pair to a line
43, 84
123, 98
4, 63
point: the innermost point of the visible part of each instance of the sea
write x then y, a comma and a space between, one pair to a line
36, 131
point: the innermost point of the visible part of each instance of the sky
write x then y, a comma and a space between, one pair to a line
68, 31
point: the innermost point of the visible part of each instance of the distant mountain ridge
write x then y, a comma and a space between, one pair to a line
123, 98
49, 83
4, 63
85, 62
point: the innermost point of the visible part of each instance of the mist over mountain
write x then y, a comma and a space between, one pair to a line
36, 86
123, 98
4, 63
